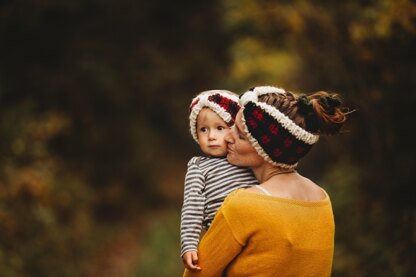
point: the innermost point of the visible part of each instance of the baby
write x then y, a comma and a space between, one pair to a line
209, 179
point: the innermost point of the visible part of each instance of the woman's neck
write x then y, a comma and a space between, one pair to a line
266, 171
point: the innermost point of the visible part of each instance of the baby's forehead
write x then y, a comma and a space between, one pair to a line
207, 115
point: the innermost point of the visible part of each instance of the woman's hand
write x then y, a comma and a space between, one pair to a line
190, 260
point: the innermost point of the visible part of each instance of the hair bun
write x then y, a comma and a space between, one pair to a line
330, 101
305, 106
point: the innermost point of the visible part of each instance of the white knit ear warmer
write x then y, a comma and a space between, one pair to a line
222, 102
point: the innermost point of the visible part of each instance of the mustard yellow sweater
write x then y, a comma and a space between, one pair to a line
260, 235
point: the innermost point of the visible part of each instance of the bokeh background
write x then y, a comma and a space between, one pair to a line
94, 136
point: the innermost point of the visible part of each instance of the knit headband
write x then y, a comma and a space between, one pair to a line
276, 138
222, 102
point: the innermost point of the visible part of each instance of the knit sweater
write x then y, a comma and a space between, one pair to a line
260, 235
208, 181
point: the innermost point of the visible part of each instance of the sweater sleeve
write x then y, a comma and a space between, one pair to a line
217, 249
193, 207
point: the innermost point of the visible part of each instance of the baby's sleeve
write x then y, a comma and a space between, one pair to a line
193, 207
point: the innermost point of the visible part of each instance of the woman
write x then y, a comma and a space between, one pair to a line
284, 226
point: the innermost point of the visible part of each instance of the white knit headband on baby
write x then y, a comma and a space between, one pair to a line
222, 102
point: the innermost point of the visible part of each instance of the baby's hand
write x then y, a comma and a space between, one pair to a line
190, 260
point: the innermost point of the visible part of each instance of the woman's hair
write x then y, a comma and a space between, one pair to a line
319, 113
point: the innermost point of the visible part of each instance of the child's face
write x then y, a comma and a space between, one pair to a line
211, 131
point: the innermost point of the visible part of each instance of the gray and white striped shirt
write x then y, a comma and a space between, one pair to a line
207, 182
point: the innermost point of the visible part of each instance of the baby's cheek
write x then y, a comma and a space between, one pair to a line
227, 132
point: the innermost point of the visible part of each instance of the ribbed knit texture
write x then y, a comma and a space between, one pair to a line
261, 235
207, 182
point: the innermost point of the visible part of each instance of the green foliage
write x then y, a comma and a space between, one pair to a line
44, 213
160, 249
87, 93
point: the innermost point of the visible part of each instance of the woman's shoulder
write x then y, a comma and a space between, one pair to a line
252, 197
237, 199
239, 205
311, 191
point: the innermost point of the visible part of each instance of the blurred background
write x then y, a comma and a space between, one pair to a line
94, 98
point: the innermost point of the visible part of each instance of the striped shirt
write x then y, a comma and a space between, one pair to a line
207, 182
